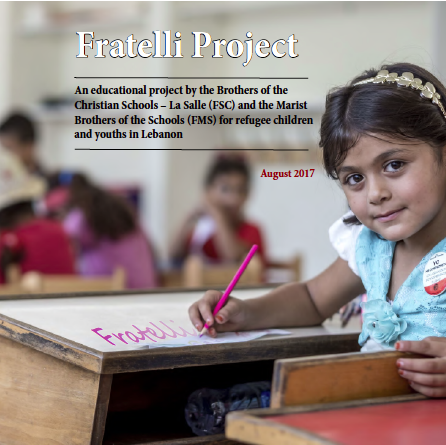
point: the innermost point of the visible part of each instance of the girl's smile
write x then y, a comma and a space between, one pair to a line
396, 188
389, 216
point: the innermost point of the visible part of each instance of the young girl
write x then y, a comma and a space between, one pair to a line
218, 230
107, 235
384, 139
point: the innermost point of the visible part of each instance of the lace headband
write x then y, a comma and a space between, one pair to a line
407, 80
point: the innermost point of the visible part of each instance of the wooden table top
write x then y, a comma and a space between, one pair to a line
367, 422
62, 327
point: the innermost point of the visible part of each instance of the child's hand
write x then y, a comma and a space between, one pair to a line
231, 317
426, 375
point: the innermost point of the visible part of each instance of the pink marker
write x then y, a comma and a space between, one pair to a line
231, 286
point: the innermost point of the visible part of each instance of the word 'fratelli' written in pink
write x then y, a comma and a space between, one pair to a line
160, 331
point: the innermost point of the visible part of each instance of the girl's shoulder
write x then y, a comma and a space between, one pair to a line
343, 238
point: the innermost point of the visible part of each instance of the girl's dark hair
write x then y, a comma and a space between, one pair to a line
10, 215
108, 215
19, 125
225, 165
384, 110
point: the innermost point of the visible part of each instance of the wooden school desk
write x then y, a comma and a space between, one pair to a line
346, 399
62, 383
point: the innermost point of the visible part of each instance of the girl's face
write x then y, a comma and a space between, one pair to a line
228, 192
395, 188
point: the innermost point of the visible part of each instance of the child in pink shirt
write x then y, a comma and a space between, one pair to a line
107, 235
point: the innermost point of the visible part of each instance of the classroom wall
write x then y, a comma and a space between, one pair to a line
5, 71
337, 40
438, 37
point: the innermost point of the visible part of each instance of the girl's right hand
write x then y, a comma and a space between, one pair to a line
233, 316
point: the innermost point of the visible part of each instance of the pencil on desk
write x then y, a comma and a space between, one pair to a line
231, 286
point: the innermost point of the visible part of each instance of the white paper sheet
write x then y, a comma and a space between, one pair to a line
223, 337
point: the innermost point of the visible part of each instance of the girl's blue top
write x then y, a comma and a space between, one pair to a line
414, 314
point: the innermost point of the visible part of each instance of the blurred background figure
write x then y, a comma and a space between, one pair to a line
18, 135
107, 235
32, 243
217, 229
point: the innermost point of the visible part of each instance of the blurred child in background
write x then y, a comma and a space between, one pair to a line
217, 230
107, 235
18, 135
33, 243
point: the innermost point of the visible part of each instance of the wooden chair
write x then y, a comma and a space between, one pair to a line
284, 271
10, 289
36, 283
172, 278
13, 285
195, 273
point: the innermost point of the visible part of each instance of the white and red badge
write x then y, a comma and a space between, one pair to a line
434, 277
